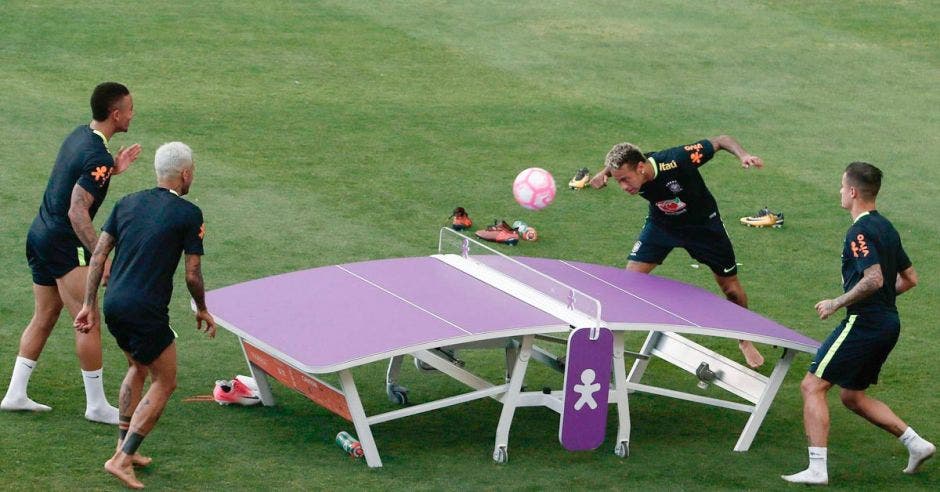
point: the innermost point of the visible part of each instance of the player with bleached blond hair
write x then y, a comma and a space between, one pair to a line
149, 231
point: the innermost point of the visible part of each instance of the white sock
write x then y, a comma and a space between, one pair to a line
818, 460
817, 473
97, 408
22, 370
16, 398
94, 389
908, 437
918, 448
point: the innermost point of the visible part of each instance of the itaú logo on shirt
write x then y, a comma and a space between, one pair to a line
671, 207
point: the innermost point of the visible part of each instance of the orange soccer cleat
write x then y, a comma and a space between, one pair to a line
499, 232
460, 220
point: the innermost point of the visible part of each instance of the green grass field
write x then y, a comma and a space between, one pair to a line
329, 131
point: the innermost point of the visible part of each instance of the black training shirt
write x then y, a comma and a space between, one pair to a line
83, 159
677, 192
152, 228
873, 240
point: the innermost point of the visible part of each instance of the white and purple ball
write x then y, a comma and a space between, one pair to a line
534, 188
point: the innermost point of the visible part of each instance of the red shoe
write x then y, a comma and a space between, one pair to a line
499, 232
460, 220
235, 392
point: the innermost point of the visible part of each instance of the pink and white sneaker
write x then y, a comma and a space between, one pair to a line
235, 392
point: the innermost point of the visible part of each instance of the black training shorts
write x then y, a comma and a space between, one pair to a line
853, 354
707, 243
137, 331
51, 257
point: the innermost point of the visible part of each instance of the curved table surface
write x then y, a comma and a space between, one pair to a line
330, 318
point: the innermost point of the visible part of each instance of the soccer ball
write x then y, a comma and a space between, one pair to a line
534, 188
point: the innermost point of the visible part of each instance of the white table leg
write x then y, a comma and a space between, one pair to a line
363, 431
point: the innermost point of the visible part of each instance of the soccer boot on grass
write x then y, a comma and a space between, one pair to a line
499, 232
764, 218
235, 392
459, 220
580, 179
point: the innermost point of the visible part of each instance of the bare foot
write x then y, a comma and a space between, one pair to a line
140, 460
125, 474
137, 459
751, 355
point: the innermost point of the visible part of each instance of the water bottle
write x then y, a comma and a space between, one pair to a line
350, 444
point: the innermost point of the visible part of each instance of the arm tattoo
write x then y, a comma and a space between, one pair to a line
96, 269
870, 282
194, 281
80, 218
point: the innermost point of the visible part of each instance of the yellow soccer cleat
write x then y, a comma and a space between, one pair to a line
764, 218
580, 179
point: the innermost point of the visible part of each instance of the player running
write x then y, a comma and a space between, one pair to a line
875, 270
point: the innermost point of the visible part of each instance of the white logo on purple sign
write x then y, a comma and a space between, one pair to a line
587, 388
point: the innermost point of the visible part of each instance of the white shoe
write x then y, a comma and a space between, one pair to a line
919, 455
249, 382
808, 477
22, 404
104, 415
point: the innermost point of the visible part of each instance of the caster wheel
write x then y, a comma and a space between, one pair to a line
397, 394
622, 449
399, 397
500, 455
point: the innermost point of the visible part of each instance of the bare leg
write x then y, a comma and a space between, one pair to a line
734, 292
816, 424
87, 346
48, 306
873, 410
46, 310
878, 413
815, 409
131, 390
163, 382
639, 266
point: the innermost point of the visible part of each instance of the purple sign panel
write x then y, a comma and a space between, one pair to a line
587, 384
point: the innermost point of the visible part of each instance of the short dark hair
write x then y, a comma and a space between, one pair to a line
865, 177
105, 96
